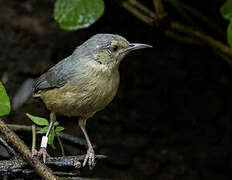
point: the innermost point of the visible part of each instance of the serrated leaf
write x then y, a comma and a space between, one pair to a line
77, 14
226, 10
4, 101
229, 33
43, 130
59, 129
38, 120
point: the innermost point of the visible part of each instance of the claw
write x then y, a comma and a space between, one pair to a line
43, 153
90, 158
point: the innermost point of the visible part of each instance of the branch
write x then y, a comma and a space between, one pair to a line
159, 9
64, 165
18, 144
178, 7
67, 138
192, 40
199, 15
220, 48
9, 149
202, 36
139, 11
183, 38
143, 9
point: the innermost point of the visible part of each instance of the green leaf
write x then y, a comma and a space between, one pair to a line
229, 33
53, 146
43, 130
226, 10
51, 136
38, 120
56, 123
59, 129
4, 101
77, 14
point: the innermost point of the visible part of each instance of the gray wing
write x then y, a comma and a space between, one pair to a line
56, 77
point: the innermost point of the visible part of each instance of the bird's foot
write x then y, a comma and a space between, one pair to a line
41, 153
90, 158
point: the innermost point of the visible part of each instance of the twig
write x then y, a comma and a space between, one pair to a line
33, 146
17, 127
143, 9
159, 8
198, 14
10, 150
182, 38
186, 39
138, 13
18, 144
217, 46
202, 36
176, 4
224, 56
62, 164
67, 138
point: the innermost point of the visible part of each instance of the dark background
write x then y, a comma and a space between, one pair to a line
171, 118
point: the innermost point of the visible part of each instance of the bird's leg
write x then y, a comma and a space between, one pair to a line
90, 155
43, 152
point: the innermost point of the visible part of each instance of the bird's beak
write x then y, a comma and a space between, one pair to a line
134, 46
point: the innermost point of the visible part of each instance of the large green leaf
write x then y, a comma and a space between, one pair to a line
4, 101
43, 130
226, 10
229, 33
51, 138
38, 120
77, 14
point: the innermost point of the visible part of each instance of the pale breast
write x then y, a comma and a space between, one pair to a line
82, 97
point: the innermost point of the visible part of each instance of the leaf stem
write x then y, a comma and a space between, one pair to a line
60, 143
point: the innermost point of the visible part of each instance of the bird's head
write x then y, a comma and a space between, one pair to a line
109, 49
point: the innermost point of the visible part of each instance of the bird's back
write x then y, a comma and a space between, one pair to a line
57, 76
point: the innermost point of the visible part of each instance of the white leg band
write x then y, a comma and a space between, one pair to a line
44, 142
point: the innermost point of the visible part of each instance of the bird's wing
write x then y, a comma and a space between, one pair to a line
55, 77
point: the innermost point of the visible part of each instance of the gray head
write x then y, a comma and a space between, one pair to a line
107, 49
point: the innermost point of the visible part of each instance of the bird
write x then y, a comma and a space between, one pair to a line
83, 83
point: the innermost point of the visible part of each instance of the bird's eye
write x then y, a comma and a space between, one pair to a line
99, 62
114, 48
